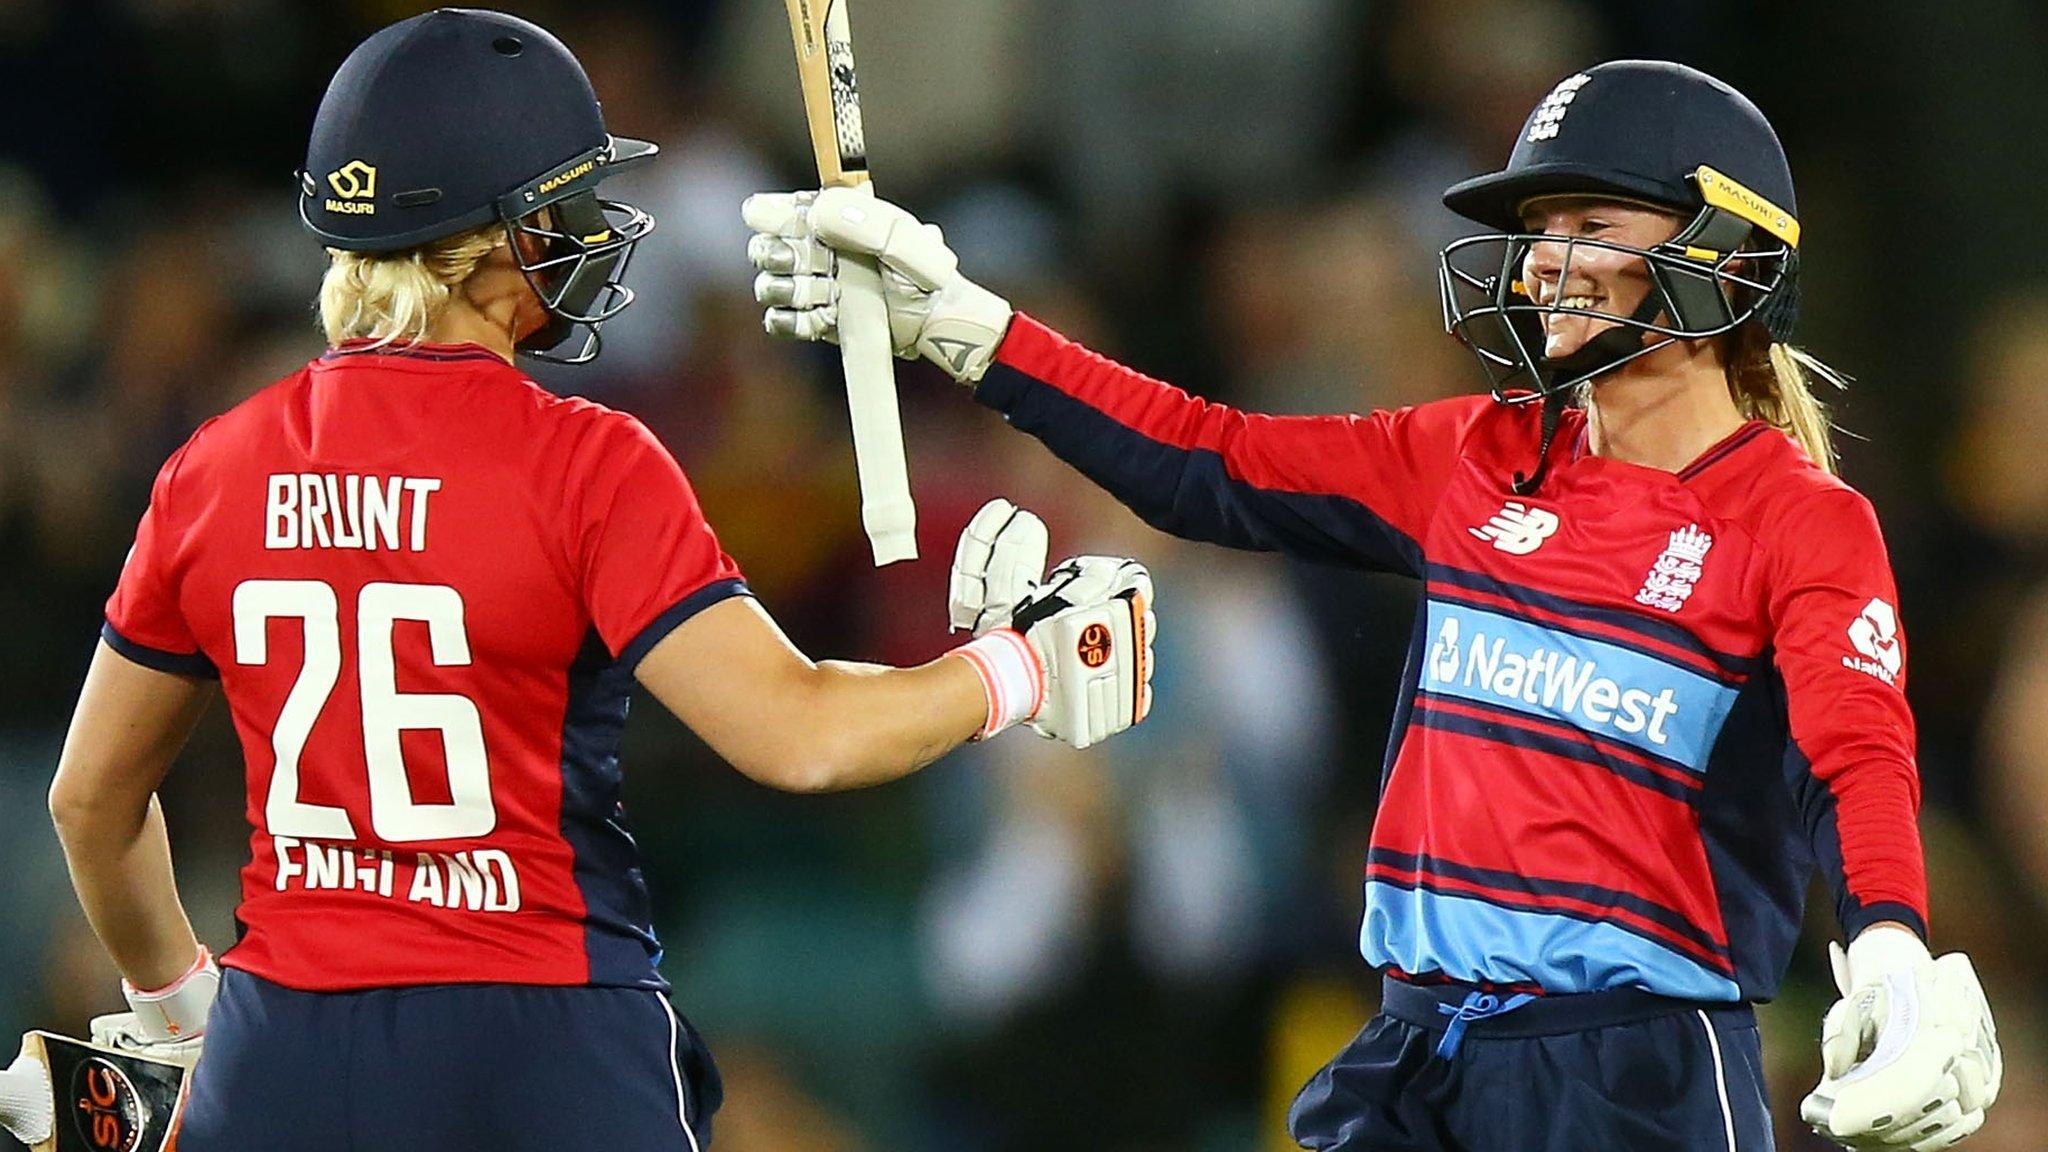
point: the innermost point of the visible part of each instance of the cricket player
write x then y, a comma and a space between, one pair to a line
1658, 673
424, 586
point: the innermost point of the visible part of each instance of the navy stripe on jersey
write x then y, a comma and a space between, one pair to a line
1549, 623
176, 663
618, 927
1542, 734
637, 648
1530, 892
1721, 451
1728, 666
1190, 492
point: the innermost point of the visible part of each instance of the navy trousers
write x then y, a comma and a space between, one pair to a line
1445, 1070
448, 1068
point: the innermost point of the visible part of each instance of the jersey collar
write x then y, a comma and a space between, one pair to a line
1582, 449
363, 346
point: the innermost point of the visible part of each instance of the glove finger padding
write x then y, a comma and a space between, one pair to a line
1091, 622
778, 213
785, 255
795, 291
999, 560
820, 323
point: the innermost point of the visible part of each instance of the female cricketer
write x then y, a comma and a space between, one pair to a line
1657, 675
425, 587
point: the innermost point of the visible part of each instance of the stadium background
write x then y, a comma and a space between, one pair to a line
1147, 946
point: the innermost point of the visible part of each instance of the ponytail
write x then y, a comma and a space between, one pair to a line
1774, 383
393, 297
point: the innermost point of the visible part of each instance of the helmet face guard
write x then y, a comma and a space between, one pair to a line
1703, 283
583, 250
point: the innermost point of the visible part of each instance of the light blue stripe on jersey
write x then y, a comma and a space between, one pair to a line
1606, 689
1417, 931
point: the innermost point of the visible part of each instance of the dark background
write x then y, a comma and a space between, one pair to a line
1147, 946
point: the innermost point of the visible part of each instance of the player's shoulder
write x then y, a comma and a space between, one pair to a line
1782, 493
231, 436
588, 431
1496, 431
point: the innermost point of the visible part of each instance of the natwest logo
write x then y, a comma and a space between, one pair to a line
1558, 682
1517, 528
1875, 633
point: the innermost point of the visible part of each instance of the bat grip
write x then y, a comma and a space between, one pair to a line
887, 511
26, 1106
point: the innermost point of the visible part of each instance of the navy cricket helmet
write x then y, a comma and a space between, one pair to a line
1651, 132
458, 118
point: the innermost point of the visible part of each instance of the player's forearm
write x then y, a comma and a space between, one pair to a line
121, 868
1192, 467
868, 724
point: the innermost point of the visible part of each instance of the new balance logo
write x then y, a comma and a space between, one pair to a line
1875, 633
1517, 529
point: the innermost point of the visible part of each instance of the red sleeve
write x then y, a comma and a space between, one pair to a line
644, 556
1841, 650
144, 620
1346, 489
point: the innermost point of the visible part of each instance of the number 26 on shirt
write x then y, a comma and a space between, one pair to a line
394, 815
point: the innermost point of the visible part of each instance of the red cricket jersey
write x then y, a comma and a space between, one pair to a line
1640, 707
424, 583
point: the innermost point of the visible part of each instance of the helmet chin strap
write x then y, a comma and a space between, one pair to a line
1595, 356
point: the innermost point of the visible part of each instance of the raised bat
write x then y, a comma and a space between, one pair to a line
824, 62
63, 1095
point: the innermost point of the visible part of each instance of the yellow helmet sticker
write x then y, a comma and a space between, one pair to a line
355, 189
355, 180
1726, 194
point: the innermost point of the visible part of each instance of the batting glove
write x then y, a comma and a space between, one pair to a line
1087, 628
27, 1109
1909, 1054
167, 1024
1000, 559
934, 311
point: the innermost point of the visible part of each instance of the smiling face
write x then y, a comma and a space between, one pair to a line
1592, 278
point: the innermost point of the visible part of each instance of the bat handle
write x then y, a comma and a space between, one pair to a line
26, 1107
887, 511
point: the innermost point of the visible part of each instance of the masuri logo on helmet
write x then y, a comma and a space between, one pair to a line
356, 179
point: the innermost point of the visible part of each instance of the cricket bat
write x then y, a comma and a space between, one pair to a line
63, 1095
824, 63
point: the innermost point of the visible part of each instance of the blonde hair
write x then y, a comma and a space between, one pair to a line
393, 297
1774, 383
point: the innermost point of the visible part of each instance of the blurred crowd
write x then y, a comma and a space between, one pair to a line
1147, 946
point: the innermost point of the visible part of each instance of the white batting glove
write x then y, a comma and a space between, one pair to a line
167, 1024
26, 1106
934, 311
1071, 654
1092, 623
999, 560
1910, 1055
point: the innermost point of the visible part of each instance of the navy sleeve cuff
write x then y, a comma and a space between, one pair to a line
1000, 386
194, 664
1863, 916
637, 648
